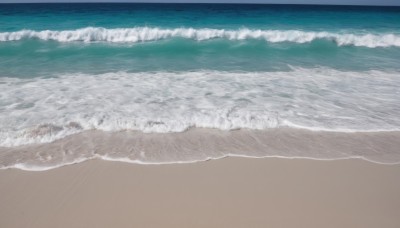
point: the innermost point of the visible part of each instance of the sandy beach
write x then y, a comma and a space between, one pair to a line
183, 115
231, 192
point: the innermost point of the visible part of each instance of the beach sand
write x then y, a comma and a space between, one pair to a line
230, 192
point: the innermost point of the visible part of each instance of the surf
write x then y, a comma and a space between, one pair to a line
40, 110
146, 34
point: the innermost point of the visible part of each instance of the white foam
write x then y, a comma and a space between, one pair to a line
27, 167
142, 34
46, 109
34, 168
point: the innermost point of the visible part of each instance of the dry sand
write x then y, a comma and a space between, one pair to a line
231, 192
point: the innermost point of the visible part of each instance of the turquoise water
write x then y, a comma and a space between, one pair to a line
67, 68
48, 57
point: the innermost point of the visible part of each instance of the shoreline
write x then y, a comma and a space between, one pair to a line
231, 192
196, 145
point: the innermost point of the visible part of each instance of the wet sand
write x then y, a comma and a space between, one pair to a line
231, 192
200, 144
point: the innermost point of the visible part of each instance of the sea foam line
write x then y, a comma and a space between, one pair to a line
40, 168
198, 145
143, 34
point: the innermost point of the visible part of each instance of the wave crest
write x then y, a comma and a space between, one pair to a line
143, 34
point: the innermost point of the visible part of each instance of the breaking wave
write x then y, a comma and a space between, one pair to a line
42, 110
143, 34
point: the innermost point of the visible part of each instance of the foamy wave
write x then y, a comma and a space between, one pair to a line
41, 110
224, 120
142, 34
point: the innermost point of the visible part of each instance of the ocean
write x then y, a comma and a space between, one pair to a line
162, 70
